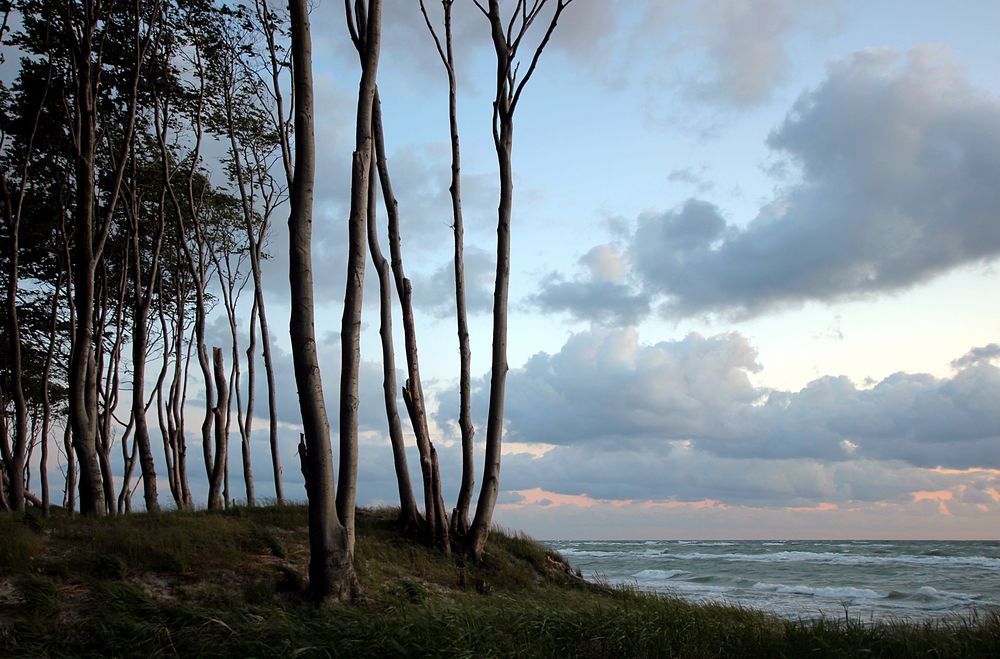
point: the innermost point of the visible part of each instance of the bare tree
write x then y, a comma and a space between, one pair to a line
331, 513
436, 518
409, 516
507, 38
365, 26
277, 60
460, 516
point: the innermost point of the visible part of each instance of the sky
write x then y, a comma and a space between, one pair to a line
754, 266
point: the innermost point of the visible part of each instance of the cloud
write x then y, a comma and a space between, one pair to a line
435, 292
898, 156
601, 296
674, 422
745, 50
685, 475
977, 356
607, 391
730, 53
605, 386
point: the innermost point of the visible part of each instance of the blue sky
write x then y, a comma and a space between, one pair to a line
753, 269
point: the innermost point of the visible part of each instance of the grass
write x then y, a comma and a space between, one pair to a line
232, 584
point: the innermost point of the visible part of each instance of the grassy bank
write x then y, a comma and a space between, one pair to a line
199, 584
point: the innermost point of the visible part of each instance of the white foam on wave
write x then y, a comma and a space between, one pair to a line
707, 543
658, 574
946, 594
689, 587
848, 559
836, 592
593, 553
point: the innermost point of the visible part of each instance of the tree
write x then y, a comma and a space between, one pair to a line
409, 516
460, 516
436, 519
365, 27
331, 514
83, 28
506, 41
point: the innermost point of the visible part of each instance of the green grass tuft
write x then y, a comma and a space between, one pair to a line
18, 543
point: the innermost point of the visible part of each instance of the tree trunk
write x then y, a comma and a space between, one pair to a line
413, 395
142, 301
409, 517
269, 28
215, 471
246, 427
82, 367
350, 328
331, 554
508, 91
272, 399
460, 515
43, 467
69, 492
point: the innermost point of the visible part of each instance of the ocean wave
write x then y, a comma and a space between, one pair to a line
848, 559
836, 592
948, 594
688, 587
658, 574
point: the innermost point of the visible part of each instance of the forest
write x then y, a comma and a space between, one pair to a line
149, 151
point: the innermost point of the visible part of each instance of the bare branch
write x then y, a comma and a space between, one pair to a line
437, 42
562, 4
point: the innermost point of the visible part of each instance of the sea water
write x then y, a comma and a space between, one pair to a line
869, 579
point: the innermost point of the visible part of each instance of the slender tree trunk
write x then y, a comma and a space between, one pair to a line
272, 398
409, 518
142, 301
217, 471
331, 554
246, 426
281, 127
69, 493
129, 456
43, 467
413, 395
350, 329
482, 522
506, 38
146, 465
82, 369
460, 516
14, 456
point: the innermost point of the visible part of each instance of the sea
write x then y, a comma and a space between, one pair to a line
867, 580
